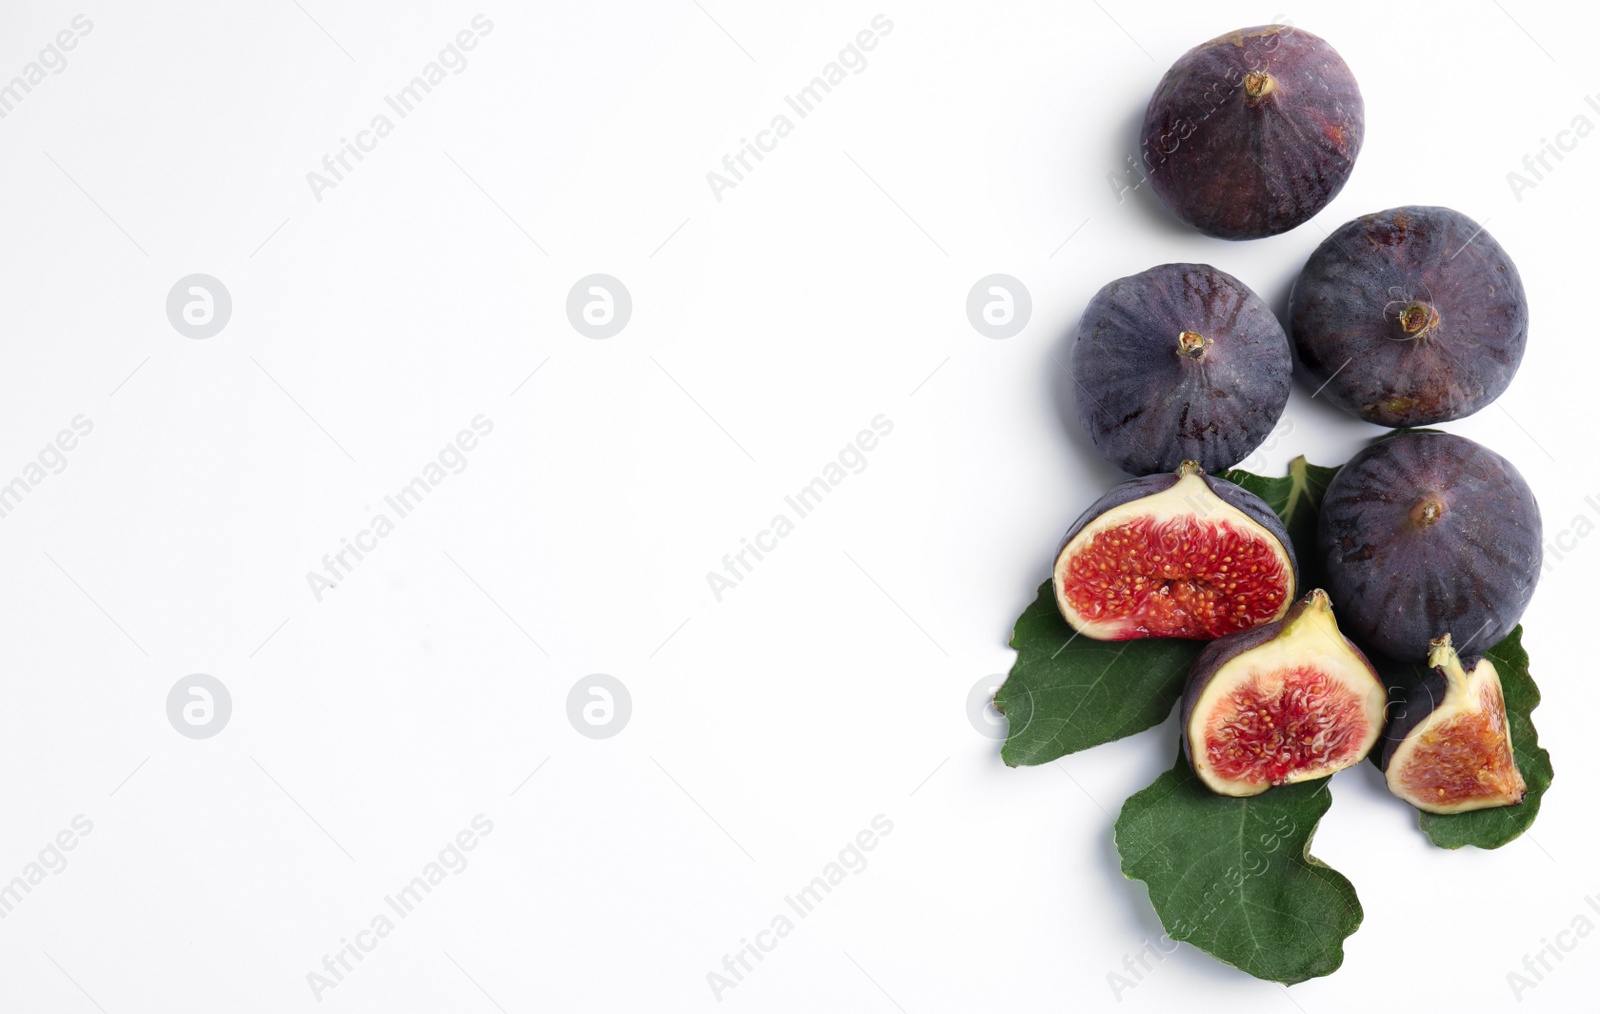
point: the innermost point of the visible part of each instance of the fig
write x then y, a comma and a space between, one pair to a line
1284, 702
1448, 747
1409, 317
1180, 555
1252, 133
1180, 362
1423, 532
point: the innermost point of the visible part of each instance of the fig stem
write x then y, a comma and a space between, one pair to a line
1258, 83
1418, 319
1426, 512
1443, 659
1192, 344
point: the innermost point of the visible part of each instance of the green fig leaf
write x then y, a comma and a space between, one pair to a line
1235, 877
1490, 829
1067, 692
1297, 499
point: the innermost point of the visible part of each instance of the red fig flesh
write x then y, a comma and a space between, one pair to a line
1186, 555
1285, 702
1456, 755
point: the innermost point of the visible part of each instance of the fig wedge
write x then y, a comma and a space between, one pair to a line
1448, 748
1286, 702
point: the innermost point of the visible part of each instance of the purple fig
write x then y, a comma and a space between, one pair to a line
1448, 748
1423, 532
1180, 362
1254, 132
1178, 555
1288, 701
1409, 317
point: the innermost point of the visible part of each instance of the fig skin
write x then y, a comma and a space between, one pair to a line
1223, 650
1247, 503
1179, 362
1423, 532
1410, 317
1254, 132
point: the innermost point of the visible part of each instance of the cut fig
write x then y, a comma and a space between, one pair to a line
1286, 702
1176, 555
1448, 749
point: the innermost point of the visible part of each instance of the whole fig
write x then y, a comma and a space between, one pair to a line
1179, 362
1423, 532
1254, 132
1410, 317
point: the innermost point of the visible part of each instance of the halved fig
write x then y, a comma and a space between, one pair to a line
1285, 702
1183, 554
1448, 749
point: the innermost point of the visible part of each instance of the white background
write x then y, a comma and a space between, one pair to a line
769, 728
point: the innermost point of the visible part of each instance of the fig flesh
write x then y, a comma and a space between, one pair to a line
1179, 555
1423, 532
1286, 702
1179, 362
1448, 749
1410, 317
1254, 132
